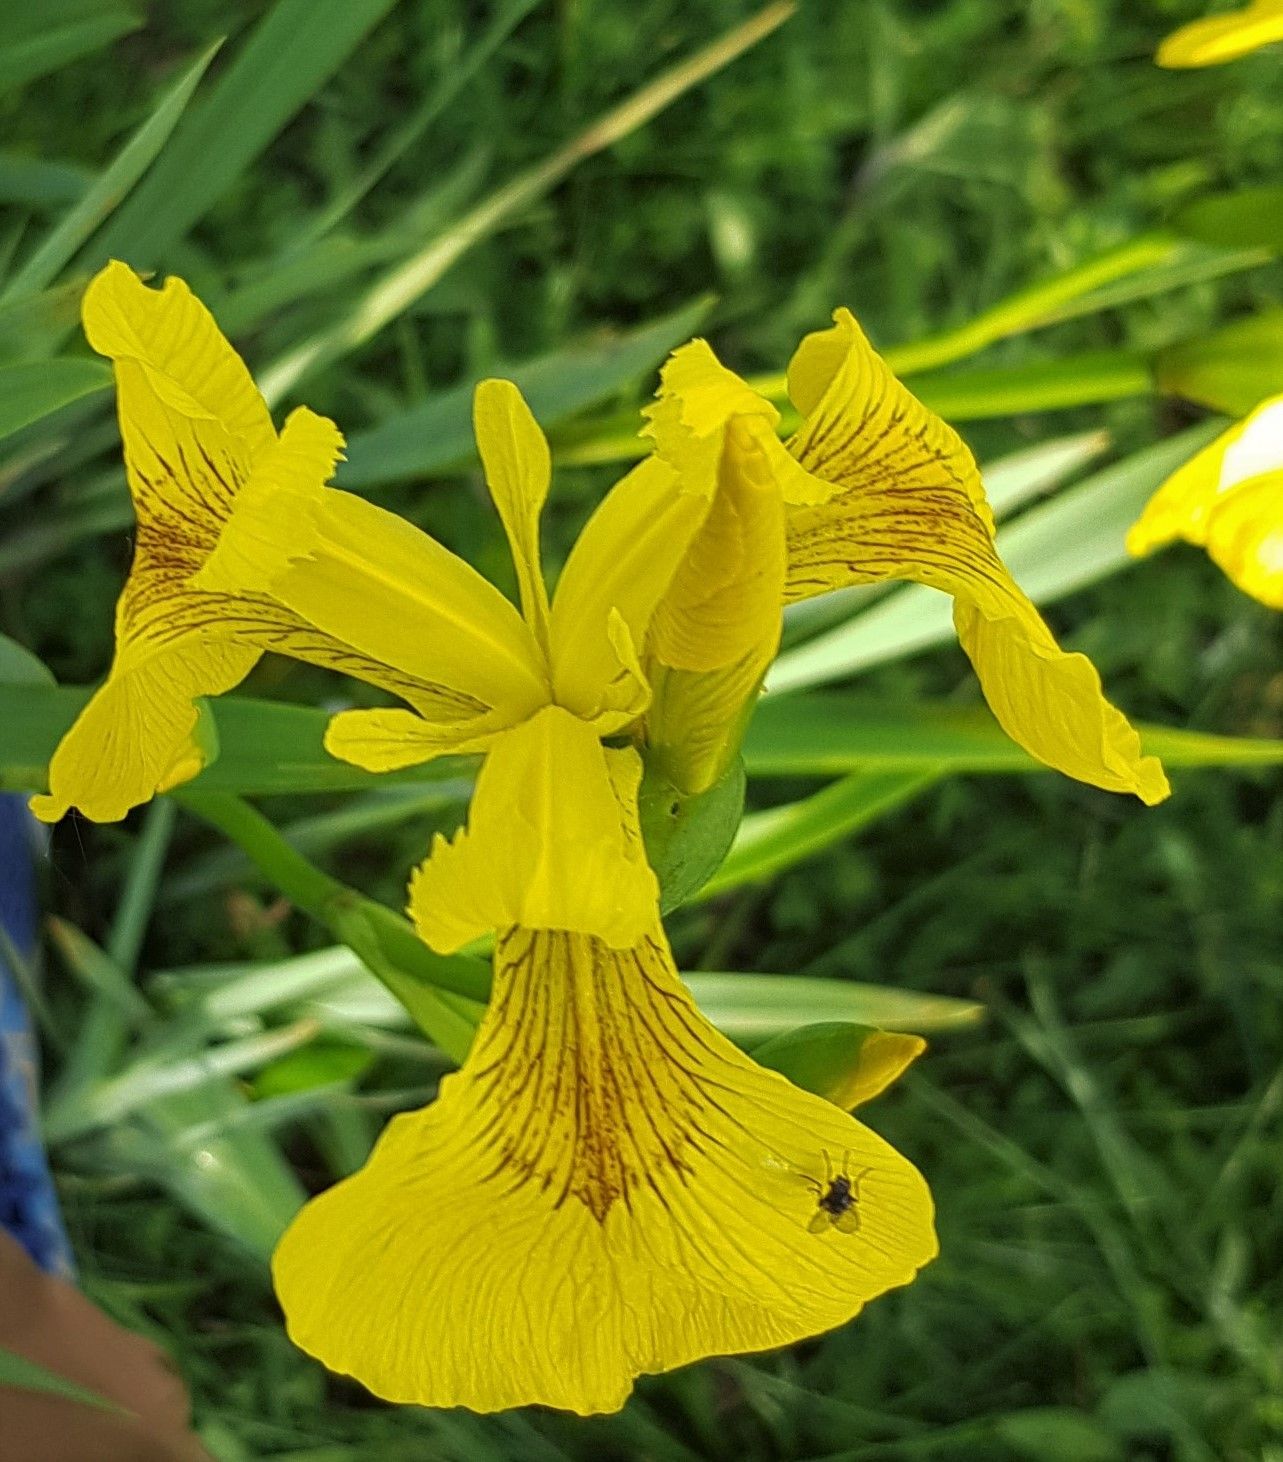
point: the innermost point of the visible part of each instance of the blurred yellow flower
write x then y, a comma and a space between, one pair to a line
874, 486
608, 1187
1219, 38
199, 447
1228, 499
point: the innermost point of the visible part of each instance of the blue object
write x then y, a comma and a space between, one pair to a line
28, 1203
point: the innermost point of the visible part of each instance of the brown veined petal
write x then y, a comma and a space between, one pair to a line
191, 419
911, 505
135, 735
369, 579
609, 1188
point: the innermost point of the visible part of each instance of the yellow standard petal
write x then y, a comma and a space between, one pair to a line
1228, 498
621, 565
716, 630
608, 1188
1220, 38
551, 843
910, 504
518, 467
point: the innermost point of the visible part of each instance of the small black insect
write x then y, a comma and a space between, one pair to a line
837, 1199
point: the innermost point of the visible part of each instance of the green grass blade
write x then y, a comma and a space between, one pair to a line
771, 840
111, 186
21, 1374
457, 75
32, 390
38, 39
292, 53
1063, 545
273, 748
750, 1007
836, 734
438, 433
396, 290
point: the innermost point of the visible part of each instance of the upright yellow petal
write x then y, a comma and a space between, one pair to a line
621, 563
698, 398
910, 504
518, 468
1220, 38
551, 843
607, 1189
716, 630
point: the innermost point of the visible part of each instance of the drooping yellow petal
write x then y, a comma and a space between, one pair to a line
1219, 38
518, 467
911, 505
551, 843
622, 562
134, 737
1227, 498
607, 1189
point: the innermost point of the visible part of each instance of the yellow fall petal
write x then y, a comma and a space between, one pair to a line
911, 505
518, 466
1219, 38
181, 360
134, 738
551, 843
608, 1188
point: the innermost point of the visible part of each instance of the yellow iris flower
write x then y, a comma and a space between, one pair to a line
199, 447
873, 486
1228, 499
1219, 38
608, 1187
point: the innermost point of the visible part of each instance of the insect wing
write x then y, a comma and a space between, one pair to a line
820, 1222
848, 1222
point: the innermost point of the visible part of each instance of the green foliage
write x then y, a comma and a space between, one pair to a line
1013, 184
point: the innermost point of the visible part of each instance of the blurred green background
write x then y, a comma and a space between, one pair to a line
1105, 1147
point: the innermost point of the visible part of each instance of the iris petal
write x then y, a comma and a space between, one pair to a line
608, 1188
